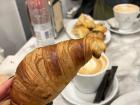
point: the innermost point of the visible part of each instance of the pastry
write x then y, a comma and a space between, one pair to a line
97, 34
85, 21
80, 31
100, 27
46, 71
86, 25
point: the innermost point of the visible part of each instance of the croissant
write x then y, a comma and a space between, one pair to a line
46, 71
80, 31
98, 34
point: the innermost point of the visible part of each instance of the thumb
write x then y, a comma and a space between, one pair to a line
4, 87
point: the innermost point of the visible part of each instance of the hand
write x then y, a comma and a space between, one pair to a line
5, 89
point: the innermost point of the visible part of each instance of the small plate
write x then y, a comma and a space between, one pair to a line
132, 98
74, 96
71, 24
135, 28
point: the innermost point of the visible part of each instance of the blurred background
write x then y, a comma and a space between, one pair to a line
16, 28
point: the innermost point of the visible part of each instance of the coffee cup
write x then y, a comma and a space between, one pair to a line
91, 74
126, 15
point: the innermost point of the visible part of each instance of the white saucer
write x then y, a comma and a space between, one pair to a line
74, 96
71, 24
132, 98
135, 28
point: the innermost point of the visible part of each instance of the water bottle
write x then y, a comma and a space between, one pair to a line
40, 19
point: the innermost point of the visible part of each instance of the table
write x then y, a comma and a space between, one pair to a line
123, 51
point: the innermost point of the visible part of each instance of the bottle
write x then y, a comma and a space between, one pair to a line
40, 19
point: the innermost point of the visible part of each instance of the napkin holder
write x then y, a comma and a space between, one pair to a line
55, 7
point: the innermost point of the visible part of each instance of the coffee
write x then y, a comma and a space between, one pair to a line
90, 76
126, 15
94, 66
126, 8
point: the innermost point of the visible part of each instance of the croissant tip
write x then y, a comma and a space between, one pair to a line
96, 55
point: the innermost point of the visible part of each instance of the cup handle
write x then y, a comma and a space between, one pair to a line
138, 17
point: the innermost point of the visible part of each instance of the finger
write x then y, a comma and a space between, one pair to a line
5, 96
4, 87
4, 99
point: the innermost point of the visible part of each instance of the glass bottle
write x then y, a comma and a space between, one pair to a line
40, 19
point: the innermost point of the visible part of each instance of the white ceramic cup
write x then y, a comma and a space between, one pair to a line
126, 15
89, 83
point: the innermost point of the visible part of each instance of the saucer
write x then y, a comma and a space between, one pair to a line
71, 24
74, 96
134, 29
132, 98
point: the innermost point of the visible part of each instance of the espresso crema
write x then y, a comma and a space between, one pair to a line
94, 66
126, 8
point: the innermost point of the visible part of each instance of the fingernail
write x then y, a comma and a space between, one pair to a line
11, 77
